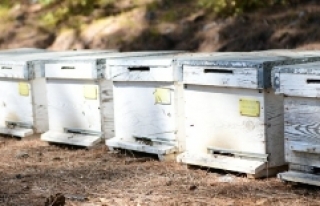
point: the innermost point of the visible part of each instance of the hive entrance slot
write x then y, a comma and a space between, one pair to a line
218, 71
313, 81
238, 154
83, 132
141, 69
6, 67
67, 67
144, 140
12, 125
316, 170
223, 153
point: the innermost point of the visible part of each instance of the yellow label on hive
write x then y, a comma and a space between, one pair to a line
90, 92
162, 96
249, 107
23, 89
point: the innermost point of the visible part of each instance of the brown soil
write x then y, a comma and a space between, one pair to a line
34, 173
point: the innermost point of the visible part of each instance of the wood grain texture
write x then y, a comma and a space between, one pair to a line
300, 177
302, 128
299, 85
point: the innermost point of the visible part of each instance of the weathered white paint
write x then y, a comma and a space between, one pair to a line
71, 70
213, 120
123, 73
302, 130
68, 107
300, 177
138, 115
71, 138
13, 106
292, 84
300, 84
220, 76
222, 162
16, 132
12, 71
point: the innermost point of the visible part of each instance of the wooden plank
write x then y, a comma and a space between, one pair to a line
304, 147
107, 108
71, 139
219, 76
300, 177
301, 127
302, 85
68, 107
13, 106
40, 105
13, 71
274, 116
213, 119
136, 113
135, 146
146, 73
71, 70
222, 162
16, 132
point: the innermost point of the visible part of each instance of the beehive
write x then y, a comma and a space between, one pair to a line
80, 98
23, 96
148, 105
234, 121
300, 85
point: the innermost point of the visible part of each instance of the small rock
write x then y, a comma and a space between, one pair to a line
209, 26
301, 14
56, 159
192, 187
57, 200
149, 193
18, 176
150, 15
22, 155
226, 178
168, 183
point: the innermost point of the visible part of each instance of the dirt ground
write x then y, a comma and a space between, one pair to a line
31, 171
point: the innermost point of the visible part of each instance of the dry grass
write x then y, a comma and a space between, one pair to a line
31, 171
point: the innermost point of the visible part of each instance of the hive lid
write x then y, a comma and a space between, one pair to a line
7, 52
16, 67
262, 61
110, 56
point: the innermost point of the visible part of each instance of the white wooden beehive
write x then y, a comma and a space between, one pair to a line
148, 105
80, 98
23, 105
300, 85
233, 119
